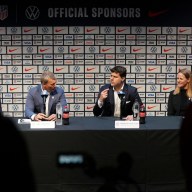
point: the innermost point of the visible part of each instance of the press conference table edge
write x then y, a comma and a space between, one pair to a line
108, 123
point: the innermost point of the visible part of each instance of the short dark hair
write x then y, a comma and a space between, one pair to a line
119, 69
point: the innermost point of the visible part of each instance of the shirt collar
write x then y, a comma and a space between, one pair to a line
43, 90
120, 89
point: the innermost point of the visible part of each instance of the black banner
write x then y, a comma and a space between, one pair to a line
95, 13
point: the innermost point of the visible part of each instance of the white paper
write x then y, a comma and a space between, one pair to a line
127, 124
42, 124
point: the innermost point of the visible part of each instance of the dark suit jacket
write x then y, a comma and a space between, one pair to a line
177, 104
108, 106
34, 102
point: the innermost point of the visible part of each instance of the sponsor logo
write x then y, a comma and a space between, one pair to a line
90, 69
152, 30
104, 50
121, 30
3, 12
166, 88
12, 89
76, 107
28, 69
156, 13
43, 50
73, 50
58, 30
12, 50
27, 30
89, 107
151, 107
166, 50
90, 30
15, 107
59, 69
74, 88
135, 50
32, 12
152, 69
45, 30
182, 30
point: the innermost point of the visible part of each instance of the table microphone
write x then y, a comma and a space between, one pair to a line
121, 96
44, 95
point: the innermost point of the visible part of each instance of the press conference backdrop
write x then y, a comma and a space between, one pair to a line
80, 43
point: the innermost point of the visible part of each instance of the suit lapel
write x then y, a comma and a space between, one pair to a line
51, 100
125, 90
40, 99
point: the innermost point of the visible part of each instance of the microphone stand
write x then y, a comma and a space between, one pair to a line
121, 96
44, 97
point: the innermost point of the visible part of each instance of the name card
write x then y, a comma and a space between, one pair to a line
127, 124
24, 121
42, 124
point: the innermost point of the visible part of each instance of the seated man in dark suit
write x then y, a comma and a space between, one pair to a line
39, 108
108, 102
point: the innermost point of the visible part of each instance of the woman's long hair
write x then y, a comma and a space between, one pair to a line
187, 73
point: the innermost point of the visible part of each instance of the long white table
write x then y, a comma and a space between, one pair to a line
151, 155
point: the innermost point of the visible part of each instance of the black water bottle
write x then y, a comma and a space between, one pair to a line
142, 114
66, 115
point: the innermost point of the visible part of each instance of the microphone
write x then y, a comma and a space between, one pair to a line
44, 95
121, 96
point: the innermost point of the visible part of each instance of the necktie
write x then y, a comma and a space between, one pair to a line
47, 106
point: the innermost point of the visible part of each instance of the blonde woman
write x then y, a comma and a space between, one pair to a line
181, 97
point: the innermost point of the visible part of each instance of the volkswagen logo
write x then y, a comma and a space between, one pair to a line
92, 49
14, 30
60, 49
29, 49
76, 107
29, 87
76, 30
76, 68
91, 88
14, 69
153, 88
107, 30
45, 30
32, 12
45, 68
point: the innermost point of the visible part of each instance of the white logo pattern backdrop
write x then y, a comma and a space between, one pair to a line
81, 60
81, 55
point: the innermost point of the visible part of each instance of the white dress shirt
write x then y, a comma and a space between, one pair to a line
117, 103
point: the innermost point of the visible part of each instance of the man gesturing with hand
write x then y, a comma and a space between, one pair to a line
108, 101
